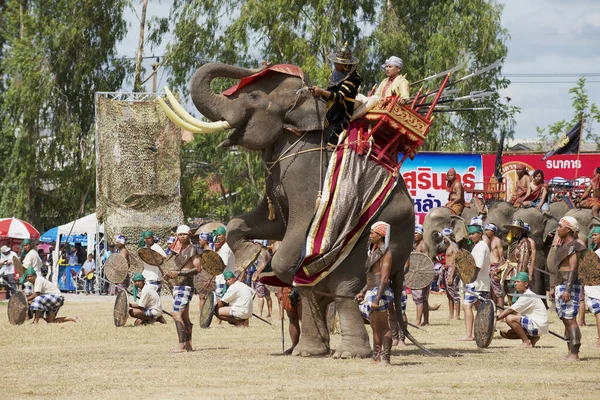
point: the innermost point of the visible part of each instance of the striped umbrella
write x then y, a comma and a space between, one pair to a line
17, 229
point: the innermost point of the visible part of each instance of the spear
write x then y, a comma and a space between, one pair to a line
440, 74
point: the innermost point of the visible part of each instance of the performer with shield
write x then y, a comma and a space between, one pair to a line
481, 254
592, 286
451, 278
527, 318
377, 296
569, 253
152, 271
183, 288
420, 296
46, 298
148, 308
235, 306
496, 259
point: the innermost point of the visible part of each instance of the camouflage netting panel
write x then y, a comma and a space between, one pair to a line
137, 171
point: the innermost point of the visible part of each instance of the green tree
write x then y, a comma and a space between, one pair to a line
57, 54
582, 108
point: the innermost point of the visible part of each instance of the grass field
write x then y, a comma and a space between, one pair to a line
95, 360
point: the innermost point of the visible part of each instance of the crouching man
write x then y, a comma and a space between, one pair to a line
235, 306
45, 299
148, 309
527, 318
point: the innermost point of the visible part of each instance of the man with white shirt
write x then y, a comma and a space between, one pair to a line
235, 306
89, 267
148, 308
223, 249
481, 254
7, 268
32, 259
527, 318
151, 272
46, 298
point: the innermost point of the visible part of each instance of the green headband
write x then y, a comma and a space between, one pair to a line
28, 272
596, 229
138, 277
474, 229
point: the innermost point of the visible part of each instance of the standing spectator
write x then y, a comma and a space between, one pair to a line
89, 269
32, 259
7, 269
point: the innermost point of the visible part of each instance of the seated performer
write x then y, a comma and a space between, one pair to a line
456, 193
340, 94
394, 83
235, 306
377, 296
527, 318
523, 182
591, 195
537, 193
46, 298
481, 254
592, 293
148, 308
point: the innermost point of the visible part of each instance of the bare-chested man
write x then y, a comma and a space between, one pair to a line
456, 193
568, 288
376, 296
451, 277
497, 259
421, 297
523, 182
591, 196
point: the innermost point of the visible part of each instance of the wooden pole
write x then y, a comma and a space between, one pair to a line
578, 148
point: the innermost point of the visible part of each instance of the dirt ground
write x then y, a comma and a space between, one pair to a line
97, 360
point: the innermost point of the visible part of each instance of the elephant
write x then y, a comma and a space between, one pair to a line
441, 217
271, 113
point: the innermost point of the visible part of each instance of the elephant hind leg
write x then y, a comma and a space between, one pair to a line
314, 335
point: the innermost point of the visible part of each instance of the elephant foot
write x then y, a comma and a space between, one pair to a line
310, 348
352, 350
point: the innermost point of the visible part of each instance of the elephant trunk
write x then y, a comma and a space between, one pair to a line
214, 106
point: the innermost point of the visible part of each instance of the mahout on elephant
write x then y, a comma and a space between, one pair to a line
270, 113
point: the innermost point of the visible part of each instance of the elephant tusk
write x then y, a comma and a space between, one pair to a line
205, 126
177, 120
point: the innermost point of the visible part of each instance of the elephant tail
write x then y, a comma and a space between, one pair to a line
397, 283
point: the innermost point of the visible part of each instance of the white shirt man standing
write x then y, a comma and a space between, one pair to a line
481, 254
152, 273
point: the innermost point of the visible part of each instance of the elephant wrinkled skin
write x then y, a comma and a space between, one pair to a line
271, 115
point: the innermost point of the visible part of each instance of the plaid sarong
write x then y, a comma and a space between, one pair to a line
529, 326
471, 298
220, 289
384, 302
27, 288
452, 287
569, 309
152, 313
495, 285
47, 302
420, 296
593, 304
261, 290
182, 295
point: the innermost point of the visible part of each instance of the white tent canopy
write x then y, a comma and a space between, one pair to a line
85, 225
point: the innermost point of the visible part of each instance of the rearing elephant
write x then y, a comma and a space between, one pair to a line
270, 114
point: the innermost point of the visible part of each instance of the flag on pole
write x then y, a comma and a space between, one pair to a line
498, 164
568, 143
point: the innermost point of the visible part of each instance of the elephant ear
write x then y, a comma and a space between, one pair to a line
307, 114
459, 226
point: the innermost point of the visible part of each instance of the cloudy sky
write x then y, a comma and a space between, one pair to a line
553, 42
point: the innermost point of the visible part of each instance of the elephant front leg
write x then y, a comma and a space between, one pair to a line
355, 340
314, 337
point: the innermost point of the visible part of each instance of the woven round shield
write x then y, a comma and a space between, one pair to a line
467, 268
485, 324
208, 310
150, 256
121, 313
18, 266
115, 268
17, 308
211, 262
420, 271
589, 269
204, 282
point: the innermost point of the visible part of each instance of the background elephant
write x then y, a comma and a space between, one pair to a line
270, 114
441, 217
